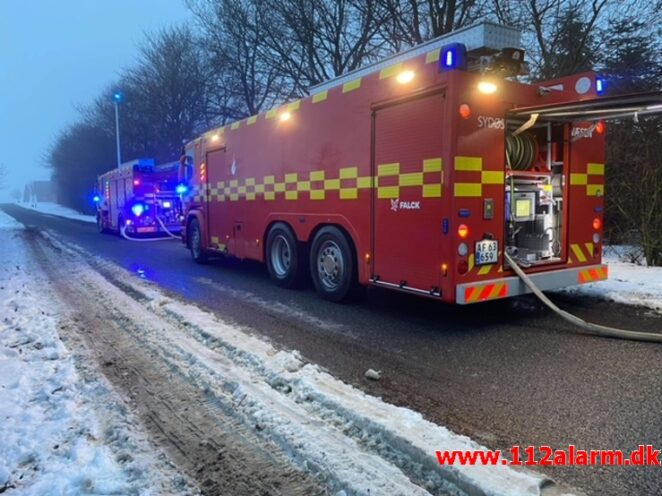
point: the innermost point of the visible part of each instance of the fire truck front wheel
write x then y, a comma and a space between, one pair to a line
332, 264
285, 262
194, 234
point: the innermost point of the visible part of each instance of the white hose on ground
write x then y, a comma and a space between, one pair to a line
163, 226
126, 236
595, 329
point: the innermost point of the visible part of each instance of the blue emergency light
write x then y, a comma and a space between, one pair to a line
138, 209
600, 85
181, 189
453, 56
96, 198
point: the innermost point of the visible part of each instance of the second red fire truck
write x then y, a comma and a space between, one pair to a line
139, 197
416, 173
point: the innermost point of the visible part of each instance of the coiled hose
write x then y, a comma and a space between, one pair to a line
521, 150
595, 329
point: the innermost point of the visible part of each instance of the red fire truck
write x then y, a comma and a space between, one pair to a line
416, 173
139, 197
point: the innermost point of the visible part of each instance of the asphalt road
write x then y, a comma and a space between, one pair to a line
504, 373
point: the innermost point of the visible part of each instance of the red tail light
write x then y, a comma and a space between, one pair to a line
600, 127
463, 231
597, 224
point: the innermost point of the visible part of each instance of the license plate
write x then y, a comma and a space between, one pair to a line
145, 229
487, 251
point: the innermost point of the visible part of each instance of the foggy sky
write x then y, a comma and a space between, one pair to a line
55, 54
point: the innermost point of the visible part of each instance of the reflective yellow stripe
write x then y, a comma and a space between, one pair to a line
468, 163
578, 179
321, 96
411, 179
294, 105
271, 114
348, 183
235, 125
589, 248
468, 189
331, 184
432, 165
595, 189
431, 190
485, 269
317, 175
349, 194
491, 177
351, 86
388, 192
471, 262
579, 254
364, 182
432, 56
595, 169
390, 71
251, 120
388, 170
349, 173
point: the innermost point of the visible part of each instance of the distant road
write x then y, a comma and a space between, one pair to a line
503, 373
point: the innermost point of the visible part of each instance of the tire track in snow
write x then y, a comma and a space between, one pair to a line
282, 390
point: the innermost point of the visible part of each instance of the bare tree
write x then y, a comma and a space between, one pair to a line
410, 22
315, 40
243, 80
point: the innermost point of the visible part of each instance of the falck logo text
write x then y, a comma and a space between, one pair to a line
396, 205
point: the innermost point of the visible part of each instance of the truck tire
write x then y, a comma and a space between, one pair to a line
332, 265
120, 223
194, 234
101, 227
285, 262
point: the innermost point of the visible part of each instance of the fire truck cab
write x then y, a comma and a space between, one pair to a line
139, 197
416, 173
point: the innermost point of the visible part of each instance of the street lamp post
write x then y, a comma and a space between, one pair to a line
118, 96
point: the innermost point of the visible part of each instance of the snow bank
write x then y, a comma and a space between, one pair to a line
54, 438
628, 282
59, 211
356, 443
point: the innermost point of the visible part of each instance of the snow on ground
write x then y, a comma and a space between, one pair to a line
63, 430
58, 210
628, 282
357, 443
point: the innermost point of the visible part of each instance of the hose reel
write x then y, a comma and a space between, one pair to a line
521, 151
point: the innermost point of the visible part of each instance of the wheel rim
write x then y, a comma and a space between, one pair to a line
330, 265
281, 255
195, 242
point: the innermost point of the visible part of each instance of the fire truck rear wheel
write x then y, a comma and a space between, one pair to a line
195, 242
283, 254
101, 226
332, 265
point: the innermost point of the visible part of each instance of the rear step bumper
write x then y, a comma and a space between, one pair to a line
477, 291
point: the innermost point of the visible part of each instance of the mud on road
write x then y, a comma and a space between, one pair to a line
214, 449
